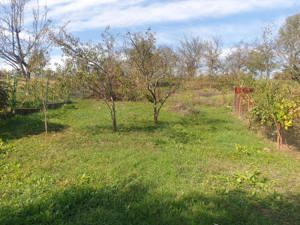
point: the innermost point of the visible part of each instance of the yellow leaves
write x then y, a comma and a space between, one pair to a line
287, 124
285, 112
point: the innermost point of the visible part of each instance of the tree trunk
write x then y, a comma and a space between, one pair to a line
14, 95
155, 113
45, 106
45, 116
26, 74
223, 98
113, 116
279, 136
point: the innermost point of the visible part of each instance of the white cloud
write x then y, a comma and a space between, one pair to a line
4, 66
228, 32
129, 14
56, 60
90, 14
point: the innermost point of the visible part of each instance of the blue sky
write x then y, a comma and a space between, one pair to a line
231, 20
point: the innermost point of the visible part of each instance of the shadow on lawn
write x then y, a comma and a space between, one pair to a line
23, 126
136, 204
293, 137
138, 127
202, 119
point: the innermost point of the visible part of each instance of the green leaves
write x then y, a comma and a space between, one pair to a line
4, 95
275, 105
285, 112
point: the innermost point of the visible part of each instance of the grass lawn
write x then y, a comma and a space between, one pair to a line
200, 167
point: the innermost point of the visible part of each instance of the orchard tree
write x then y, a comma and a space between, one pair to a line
275, 106
267, 49
19, 41
37, 62
212, 53
100, 65
288, 44
63, 87
261, 60
40, 85
155, 68
69, 75
190, 53
255, 63
39, 89
235, 61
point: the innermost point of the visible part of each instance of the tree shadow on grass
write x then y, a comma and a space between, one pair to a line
147, 127
22, 126
293, 137
136, 203
202, 119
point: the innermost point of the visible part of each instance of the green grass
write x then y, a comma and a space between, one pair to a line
200, 168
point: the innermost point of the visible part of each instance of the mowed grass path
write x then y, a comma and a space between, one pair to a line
204, 167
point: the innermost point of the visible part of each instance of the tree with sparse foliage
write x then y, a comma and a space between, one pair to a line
190, 53
19, 41
212, 53
37, 62
288, 44
100, 66
235, 61
40, 85
261, 59
155, 67
40, 88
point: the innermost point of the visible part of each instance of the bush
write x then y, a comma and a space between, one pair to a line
276, 106
4, 95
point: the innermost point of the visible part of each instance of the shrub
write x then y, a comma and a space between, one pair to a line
4, 95
275, 106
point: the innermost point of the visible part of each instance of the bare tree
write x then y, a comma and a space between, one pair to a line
190, 53
155, 67
18, 39
100, 66
235, 61
212, 53
268, 51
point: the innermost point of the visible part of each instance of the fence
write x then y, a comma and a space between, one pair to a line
242, 100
